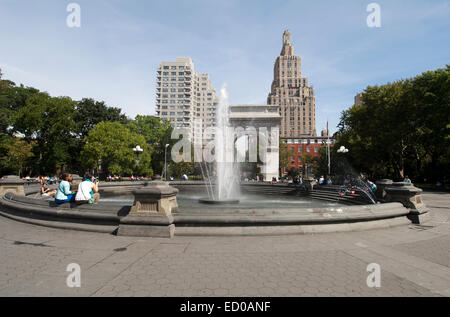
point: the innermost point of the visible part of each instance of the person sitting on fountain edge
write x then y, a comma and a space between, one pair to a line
321, 180
45, 191
87, 191
63, 193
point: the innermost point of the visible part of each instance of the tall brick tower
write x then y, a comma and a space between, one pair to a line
290, 91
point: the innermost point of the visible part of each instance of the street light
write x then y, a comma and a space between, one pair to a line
138, 150
165, 161
342, 149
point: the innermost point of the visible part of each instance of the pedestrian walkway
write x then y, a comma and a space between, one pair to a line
414, 261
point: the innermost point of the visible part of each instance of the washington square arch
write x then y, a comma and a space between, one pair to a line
260, 124
257, 125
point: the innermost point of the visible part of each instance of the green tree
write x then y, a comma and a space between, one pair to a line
113, 143
18, 152
89, 113
400, 128
49, 122
157, 133
285, 155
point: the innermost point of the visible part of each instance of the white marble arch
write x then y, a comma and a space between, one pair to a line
266, 120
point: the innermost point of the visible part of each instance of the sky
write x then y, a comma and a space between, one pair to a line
115, 53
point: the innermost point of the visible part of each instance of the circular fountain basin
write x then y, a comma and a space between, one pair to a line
261, 210
218, 202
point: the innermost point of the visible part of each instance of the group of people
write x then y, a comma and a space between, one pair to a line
87, 192
325, 181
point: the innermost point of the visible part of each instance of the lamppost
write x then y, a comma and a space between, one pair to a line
138, 150
165, 162
342, 149
99, 167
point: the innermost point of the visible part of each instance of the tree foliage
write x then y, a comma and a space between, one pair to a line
401, 128
157, 134
112, 143
89, 113
285, 155
54, 127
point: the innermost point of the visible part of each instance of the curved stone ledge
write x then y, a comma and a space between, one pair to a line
289, 229
67, 216
282, 217
107, 219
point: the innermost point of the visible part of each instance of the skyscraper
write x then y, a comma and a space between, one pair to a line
183, 96
290, 91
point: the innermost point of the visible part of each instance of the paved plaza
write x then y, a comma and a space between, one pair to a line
414, 260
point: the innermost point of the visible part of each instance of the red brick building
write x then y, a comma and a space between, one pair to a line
305, 145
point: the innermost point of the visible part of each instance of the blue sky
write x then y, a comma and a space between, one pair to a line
115, 54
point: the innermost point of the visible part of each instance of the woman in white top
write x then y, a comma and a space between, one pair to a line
87, 191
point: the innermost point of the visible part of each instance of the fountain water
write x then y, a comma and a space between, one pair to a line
354, 179
225, 186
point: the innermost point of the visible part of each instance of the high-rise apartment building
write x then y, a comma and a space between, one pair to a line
290, 91
182, 95
358, 99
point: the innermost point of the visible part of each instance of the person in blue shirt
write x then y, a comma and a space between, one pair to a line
63, 193
407, 180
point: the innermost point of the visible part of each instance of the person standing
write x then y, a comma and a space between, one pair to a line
63, 193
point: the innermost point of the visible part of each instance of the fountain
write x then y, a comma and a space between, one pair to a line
352, 179
224, 187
